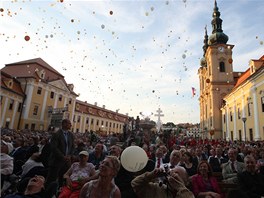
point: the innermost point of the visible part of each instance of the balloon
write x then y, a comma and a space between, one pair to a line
27, 38
134, 159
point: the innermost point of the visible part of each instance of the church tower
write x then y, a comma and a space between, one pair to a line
216, 77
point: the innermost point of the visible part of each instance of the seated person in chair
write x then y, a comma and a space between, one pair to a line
232, 167
78, 174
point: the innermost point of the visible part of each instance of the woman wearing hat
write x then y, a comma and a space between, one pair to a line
78, 174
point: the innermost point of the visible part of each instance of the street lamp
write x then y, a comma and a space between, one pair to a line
244, 119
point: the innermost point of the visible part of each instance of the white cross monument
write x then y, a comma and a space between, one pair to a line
159, 124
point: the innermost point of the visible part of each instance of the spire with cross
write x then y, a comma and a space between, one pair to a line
159, 111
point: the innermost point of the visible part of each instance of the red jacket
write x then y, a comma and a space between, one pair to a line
198, 185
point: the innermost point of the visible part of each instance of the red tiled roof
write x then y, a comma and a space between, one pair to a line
246, 74
242, 78
38, 61
16, 88
100, 112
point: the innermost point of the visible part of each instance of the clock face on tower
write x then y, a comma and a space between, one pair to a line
221, 49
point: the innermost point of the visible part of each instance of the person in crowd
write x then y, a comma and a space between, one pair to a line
206, 151
232, 167
158, 159
113, 139
217, 160
199, 156
45, 152
33, 146
104, 186
159, 140
166, 154
175, 158
260, 162
190, 168
123, 178
250, 182
212, 154
145, 185
33, 162
146, 149
78, 174
97, 155
62, 148
7, 163
204, 184
34, 189
19, 154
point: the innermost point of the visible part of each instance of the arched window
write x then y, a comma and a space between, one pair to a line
222, 66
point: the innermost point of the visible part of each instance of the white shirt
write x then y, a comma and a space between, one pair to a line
7, 164
30, 163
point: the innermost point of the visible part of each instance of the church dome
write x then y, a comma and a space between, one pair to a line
217, 37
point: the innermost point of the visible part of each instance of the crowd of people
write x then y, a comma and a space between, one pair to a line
70, 165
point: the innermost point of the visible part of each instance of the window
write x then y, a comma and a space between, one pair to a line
51, 94
39, 90
231, 116
35, 110
11, 104
19, 107
251, 134
238, 113
87, 120
222, 66
7, 124
97, 122
262, 103
79, 118
92, 120
106, 124
60, 97
110, 124
33, 126
249, 109
113, 125
117, 126
70, 101
102, 123
224, 118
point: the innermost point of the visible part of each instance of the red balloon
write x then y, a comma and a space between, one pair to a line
111, 12
230, 60
27, 38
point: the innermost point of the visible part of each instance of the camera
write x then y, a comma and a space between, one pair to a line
165, 172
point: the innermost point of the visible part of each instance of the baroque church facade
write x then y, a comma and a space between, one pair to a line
219, 107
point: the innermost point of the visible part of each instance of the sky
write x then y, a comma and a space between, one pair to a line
131, 56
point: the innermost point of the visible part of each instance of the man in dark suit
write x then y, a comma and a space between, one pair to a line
62, 148
217, 161
19, 155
